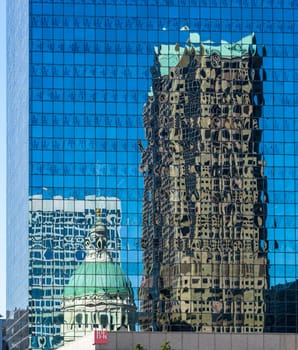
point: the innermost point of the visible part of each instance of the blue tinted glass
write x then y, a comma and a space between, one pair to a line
162, 137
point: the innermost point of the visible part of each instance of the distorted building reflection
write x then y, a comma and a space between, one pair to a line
99, 294
204, 234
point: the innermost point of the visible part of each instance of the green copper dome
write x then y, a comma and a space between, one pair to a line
94, 277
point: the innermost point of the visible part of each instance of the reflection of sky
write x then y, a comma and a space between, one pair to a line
102, 105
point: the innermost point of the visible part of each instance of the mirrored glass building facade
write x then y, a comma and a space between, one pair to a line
151, 167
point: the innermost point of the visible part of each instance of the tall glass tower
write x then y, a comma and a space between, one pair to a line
193, 193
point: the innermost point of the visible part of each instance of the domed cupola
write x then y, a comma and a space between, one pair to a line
98, 295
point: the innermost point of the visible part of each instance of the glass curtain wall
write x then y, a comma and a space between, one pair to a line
116, 198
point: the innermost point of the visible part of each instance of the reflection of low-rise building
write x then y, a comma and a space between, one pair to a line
98, 295
204, 235
282, 308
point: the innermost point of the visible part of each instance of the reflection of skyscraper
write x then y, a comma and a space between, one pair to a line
58, 229
204, 235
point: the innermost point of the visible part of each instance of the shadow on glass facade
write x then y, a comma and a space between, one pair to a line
162, 167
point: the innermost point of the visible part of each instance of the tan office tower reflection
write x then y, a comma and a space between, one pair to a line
204, 236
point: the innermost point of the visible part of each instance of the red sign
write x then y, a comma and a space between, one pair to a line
100, 336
